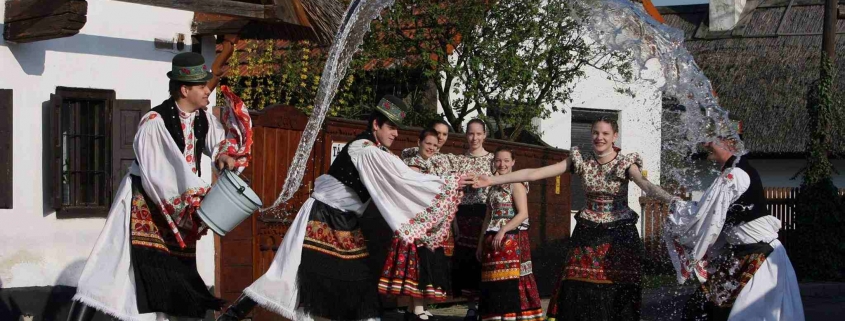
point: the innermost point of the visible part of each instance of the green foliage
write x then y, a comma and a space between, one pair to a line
525, 58
820, 253
271, 72
267, 73
511, 60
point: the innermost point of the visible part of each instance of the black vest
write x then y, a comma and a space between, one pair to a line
344, 170
751, 205
170, 115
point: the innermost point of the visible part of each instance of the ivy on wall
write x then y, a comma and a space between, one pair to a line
820, 211
277, 72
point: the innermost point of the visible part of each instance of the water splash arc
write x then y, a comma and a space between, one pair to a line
619, 25
350, 36
624, 26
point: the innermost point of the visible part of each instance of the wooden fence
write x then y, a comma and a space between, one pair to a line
780, 202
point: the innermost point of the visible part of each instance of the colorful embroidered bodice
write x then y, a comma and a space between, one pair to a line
605, 185
461, 164
436, 165
478, 165
500, 202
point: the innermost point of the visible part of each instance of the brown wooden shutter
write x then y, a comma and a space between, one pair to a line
126, 115
6, 157
56, 150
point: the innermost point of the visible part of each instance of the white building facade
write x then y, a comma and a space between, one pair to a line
115, 52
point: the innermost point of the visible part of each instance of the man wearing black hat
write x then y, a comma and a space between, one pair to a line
320, 270
143, 266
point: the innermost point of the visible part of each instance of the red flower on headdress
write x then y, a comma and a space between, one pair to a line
185, 71
402, 115
730, 176
204, 67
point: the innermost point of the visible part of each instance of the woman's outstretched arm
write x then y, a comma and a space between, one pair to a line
524, 175
650, 189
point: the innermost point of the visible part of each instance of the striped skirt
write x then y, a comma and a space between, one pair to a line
508, 289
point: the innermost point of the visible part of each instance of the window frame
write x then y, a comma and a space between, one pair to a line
62, 94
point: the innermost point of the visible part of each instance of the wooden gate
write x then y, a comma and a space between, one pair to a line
246, 252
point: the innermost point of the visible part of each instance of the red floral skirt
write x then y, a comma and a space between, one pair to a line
508, 289
416, 271
602, 276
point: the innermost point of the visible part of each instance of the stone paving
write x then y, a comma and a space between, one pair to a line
822, 302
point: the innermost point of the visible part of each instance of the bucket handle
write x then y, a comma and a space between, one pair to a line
240, 189
220, 172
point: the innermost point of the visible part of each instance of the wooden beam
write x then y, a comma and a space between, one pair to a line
288, 11
218, 27
17, 10
50, 27
227, 7
34, 20
291, 11
217, 24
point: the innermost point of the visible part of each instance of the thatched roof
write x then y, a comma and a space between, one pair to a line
762, 69
319, 20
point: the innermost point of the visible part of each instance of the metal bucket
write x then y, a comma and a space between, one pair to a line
228, 203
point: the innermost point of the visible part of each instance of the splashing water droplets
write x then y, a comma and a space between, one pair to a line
624, 27
350, 36
619, 25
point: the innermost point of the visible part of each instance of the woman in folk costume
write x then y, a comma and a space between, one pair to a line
508, 289
414, 272
442, 129
321, 270
466, 270
602, 273
729, 243
143, 266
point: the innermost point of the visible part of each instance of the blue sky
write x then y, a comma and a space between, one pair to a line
676, 2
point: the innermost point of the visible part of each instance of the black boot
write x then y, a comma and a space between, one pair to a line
238, 310
80, 312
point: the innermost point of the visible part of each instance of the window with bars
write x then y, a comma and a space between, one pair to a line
91, 134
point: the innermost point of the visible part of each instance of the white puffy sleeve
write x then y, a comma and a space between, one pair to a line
692, 228
415, 205
167, 177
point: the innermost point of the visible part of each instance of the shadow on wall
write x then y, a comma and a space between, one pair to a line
31, 56
46, 303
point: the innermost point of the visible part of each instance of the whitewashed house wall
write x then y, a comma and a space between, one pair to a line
115, 51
